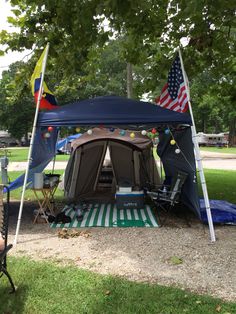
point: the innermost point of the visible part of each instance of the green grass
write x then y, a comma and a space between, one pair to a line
21, 154
229, 150
44, 288
220, 185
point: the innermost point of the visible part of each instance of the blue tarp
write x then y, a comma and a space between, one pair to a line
222, 211
62, 143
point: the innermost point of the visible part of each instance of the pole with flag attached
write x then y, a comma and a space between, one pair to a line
198, 157
42, 59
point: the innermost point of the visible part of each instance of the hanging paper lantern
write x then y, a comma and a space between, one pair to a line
122, 132
172, 142
50, 128
167, 131
144, 132
177, 151
90, 132
47, 135
132, 135
77, 129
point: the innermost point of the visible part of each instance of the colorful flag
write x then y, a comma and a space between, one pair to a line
48, 100
174, 93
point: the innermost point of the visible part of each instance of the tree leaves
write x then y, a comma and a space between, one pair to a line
92, 41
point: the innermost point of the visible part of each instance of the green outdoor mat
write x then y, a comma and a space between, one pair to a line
107, 215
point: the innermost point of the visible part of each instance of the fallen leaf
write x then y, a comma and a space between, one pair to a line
175, 260
85, 234
107, 292
218, 308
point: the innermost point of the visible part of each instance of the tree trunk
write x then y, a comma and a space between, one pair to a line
204, 124
129, 80
232, 132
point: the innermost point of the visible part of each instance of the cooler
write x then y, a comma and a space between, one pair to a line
126, 200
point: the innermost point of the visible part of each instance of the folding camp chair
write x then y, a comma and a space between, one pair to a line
169, 195
4, 211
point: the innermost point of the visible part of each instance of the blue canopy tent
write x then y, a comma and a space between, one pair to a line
62, 144
114, 111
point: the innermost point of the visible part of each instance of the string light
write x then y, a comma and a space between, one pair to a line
50, 129
47, 135
122, 132
144, 132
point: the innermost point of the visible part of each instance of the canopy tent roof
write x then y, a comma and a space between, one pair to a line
112, 111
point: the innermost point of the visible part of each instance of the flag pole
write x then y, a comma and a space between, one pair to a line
31, 144
54, 159
198, 157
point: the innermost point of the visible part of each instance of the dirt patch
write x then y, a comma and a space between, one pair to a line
140, 254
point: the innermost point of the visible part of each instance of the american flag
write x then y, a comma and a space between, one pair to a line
173, 95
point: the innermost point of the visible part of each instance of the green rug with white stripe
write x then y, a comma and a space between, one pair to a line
107, 215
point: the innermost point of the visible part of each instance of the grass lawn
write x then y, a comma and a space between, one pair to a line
229, 150
47, 288
220, 185
21, 154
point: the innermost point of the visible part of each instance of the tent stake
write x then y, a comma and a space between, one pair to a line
31, 144
198, 157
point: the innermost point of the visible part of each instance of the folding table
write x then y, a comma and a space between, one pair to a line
45, 199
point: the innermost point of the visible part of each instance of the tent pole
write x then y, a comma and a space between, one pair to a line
31, 144
55, 156
198, 157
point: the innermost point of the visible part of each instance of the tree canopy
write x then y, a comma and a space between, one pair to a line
91, 42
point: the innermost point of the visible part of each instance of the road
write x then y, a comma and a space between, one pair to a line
210, 161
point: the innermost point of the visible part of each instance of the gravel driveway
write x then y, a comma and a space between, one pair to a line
176, 254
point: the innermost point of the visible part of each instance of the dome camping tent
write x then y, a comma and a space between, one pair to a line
91, 172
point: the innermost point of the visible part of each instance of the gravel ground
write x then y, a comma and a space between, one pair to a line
140, 254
